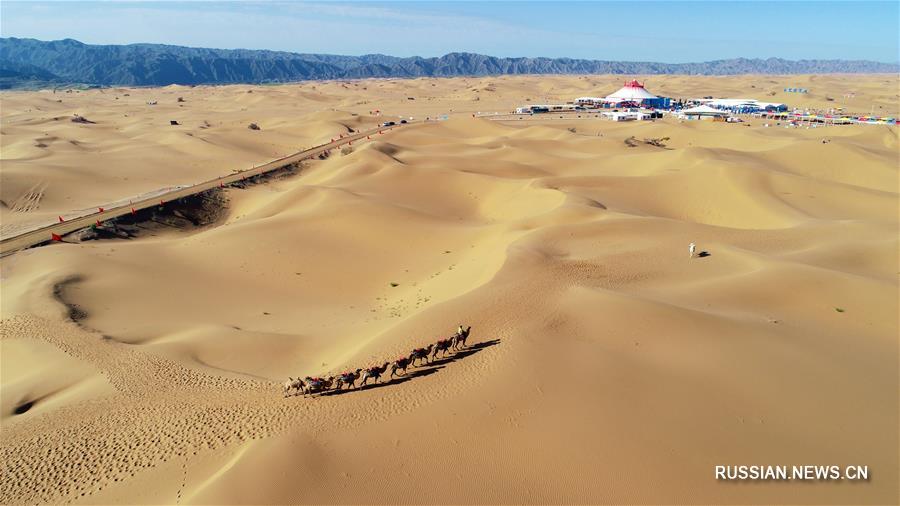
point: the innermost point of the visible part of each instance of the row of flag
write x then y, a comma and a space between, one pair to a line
98, 223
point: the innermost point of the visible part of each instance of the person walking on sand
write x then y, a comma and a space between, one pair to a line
692, 248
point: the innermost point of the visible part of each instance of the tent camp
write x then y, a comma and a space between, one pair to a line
632, 92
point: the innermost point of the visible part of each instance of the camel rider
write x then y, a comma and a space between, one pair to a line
460, 331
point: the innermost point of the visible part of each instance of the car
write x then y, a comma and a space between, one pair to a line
388, 123
402, 121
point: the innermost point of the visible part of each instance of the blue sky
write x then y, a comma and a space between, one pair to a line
634, 31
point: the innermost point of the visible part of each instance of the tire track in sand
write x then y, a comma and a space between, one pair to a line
30, 200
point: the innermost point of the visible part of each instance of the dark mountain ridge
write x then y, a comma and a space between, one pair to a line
26, 62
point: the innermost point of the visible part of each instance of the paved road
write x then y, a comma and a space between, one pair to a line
43, 234
548, 116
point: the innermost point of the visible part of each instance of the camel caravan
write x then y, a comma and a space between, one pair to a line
442, 348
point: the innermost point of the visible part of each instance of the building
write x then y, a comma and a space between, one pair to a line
621, 116
539, 108
631, 115
590, 101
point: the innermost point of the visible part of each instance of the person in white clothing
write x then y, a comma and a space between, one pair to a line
692, 248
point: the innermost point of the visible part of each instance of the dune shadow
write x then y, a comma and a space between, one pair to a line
23, 407
396, 380
61, 293
422, 371
465, 352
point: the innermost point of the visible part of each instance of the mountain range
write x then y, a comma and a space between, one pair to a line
33, 63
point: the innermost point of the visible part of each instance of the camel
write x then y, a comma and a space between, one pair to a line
399, 365
461, 336
295, 385
318, 385
442, 346
374, 373
348, 378
420, 353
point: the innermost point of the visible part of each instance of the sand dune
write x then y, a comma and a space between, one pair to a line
606, 366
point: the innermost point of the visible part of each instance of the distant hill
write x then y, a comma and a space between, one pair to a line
30, 62
13, 75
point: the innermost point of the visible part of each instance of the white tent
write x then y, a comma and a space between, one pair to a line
742, 103
733, 102
703, 110
632, 92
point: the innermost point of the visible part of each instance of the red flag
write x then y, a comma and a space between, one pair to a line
162, 202
221, 185
101, 209
54, 237
61, 219
99, 224
133, 211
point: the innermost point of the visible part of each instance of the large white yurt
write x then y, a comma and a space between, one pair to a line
633, 91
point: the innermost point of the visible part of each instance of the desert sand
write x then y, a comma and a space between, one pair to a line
604, 365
